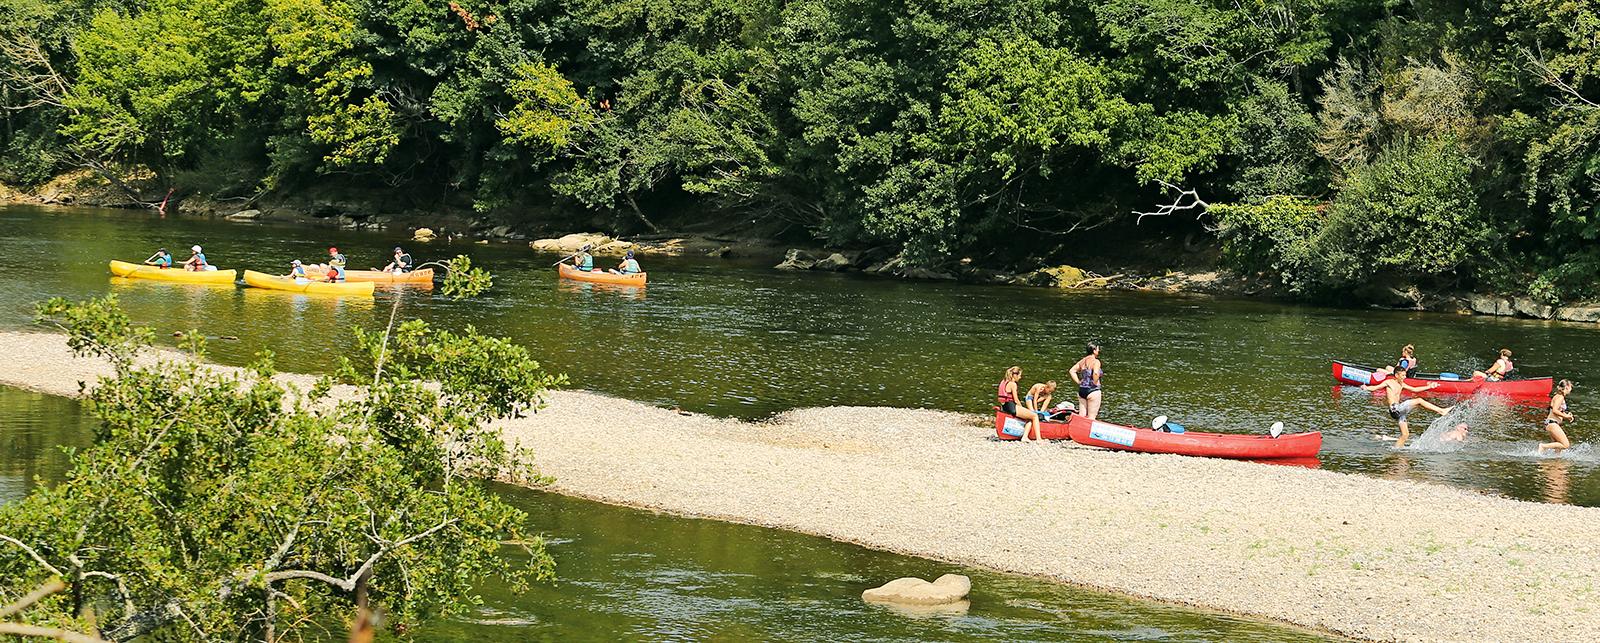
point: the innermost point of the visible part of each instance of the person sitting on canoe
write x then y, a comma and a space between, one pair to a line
1500, 370
161, 259
336, 261
401, 264
297, 271
1558, 413
197, 261
1408, 361
1006, 396
1087, 373
1399, 409
628, 266
583, 259
1038, 399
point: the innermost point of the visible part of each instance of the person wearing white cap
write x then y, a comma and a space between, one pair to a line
197, 262
297, 271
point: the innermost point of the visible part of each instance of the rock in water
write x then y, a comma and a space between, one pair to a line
797, 259
833, 263
949, 588
423, 234
571, 242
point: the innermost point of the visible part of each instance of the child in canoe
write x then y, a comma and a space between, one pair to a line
628, 266
1500, 370
161, 259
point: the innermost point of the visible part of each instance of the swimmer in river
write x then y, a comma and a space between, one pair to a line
1399, 409
1455, 434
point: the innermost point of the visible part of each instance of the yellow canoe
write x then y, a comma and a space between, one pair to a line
636, 279
274, 282
141, 271
424, 275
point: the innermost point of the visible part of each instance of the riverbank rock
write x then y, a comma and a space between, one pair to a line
1589, 313
423, 235
244, 215
1527, 307
832, 263
572, 242
617, 248
797, 259
1490, 305
1062, 276
949, 588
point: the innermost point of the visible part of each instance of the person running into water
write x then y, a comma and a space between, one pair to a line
1399, 409
197, 261
335, 268
1007, 397
1407, 363
401, 264
583, 260
628, 266
1558, 414
161, 259
1087, 373
1038, 399
1500, 370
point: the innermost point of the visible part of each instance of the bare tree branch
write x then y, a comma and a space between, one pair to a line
49, 587
34, 555
349, 584
18, 629
1186, 201
1574, 98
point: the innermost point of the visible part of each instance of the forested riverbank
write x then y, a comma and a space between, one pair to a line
1339, 148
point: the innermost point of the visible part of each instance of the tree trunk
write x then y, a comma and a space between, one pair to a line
640, 214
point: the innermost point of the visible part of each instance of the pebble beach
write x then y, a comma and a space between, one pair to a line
1365, 557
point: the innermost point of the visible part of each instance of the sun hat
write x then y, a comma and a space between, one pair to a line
195, 248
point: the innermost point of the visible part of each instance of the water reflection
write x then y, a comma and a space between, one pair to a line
584, 288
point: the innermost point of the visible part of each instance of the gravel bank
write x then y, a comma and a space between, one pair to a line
1371, 558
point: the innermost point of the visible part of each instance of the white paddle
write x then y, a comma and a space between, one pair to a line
1277, 429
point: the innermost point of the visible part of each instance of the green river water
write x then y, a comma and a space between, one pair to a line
739, 339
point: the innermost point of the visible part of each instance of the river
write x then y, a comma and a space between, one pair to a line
740, 339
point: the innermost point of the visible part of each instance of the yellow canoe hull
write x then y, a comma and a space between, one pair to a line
424, 275
274, 282
141, 271
569, 272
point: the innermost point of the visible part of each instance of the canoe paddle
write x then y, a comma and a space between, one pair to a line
564, 259
1277, 429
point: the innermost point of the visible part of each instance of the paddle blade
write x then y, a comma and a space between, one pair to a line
1157, 423
1277, 429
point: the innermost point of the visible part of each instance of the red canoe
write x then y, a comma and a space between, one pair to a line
1217, 445
1096, 433
1047, 430
1357, 375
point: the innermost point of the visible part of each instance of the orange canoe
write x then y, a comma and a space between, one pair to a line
570, 272
424, 275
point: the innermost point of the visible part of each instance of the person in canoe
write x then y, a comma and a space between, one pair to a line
335, 268
628, 266
1558, 413
161, 259
297, 271
1500, 370
582, 260
197, 260
1006, 396
1407, 364
401, 263
1399, 409
1087, 373
1038, 399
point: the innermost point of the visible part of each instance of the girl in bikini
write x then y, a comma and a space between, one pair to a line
1006, 396
1558, 414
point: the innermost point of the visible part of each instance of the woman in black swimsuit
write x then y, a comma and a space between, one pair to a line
1087, 373
1558, 414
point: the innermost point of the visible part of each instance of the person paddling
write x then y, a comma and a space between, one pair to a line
197, 260
1558, 413
336, 262
161, 259
297, 271
401, 263
628, 265
583, 260
1400, 409
1038, 399
1087, 373
1500, 370
1006, 396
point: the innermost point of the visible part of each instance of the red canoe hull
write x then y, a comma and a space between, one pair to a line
1357, 375
1048, 430
1097, 433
